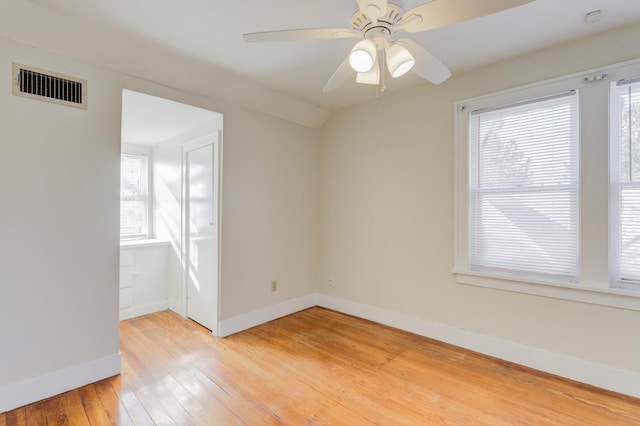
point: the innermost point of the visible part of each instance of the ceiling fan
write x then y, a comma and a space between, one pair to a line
380, 25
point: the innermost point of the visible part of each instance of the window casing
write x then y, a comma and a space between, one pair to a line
134, 197
523, 188
625, 183
566, 186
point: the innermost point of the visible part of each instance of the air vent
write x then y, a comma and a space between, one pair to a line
34, 83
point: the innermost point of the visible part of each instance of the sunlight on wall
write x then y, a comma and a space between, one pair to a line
167, 209
167, 212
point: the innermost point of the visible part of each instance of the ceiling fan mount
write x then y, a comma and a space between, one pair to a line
377, 24
361, 21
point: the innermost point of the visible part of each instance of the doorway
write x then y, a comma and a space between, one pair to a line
174, 264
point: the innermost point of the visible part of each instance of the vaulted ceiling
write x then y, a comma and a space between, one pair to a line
208, 34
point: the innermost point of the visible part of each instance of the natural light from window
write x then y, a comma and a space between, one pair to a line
133, 197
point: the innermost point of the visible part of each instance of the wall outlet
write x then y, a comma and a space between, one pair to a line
330, 279
274, 285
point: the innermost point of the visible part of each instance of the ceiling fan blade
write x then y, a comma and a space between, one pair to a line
301, 34
427, 66
339, 76
374, 9
440, 13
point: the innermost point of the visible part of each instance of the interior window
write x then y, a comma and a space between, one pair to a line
133, 197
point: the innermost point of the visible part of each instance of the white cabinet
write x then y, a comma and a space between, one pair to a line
126, 279
143, 278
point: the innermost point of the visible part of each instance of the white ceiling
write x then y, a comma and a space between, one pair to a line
149, 120
209, 33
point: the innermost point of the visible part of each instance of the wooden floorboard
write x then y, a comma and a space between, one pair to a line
317, 367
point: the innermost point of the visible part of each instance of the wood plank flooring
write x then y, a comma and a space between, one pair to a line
317, 367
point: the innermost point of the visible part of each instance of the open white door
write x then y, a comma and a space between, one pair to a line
201, 230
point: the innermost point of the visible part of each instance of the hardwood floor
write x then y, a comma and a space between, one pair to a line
317, 367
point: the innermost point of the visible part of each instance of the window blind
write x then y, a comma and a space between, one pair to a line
523, 188
133, 196
627, 182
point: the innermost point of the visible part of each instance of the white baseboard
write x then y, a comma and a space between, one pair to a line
138, 311
600, 375
38, 388
261, 316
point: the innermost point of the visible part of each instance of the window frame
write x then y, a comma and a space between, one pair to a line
616, 185
594, 284
478, 189
145, 197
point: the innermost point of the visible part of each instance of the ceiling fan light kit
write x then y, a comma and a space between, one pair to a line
370, 77
399, 60
381, 25
363, 56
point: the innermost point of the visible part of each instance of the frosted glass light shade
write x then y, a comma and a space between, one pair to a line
399, 60
363, 56
370, 77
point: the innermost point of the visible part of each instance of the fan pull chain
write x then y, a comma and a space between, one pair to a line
380, 88
384, 70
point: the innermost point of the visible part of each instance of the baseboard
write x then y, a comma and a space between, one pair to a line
600, 375
261, 316
38, 388
138, 311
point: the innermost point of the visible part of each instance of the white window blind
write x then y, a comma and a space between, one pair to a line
626, 180
133, 196
523, 188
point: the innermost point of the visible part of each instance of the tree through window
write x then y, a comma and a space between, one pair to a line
523, 188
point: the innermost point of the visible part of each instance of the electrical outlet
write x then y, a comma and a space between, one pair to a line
274, 285
330, 279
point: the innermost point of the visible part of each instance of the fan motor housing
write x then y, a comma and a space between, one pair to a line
360, 22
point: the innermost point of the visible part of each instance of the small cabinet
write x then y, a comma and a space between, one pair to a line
143, 277
126, 278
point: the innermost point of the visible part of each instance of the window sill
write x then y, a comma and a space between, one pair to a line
148, 242
616, 298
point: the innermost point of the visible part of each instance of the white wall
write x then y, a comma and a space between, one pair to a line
269, 211
387, 214
59, 173
59, 170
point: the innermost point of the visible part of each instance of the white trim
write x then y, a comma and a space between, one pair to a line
38, 388
596, 284
600, 375
577, 76
146, 309
578, 293
264, 315
146, 242
146, 185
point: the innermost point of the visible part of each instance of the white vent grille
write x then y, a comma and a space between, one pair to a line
34, 83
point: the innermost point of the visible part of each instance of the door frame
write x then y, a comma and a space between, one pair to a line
215, 139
